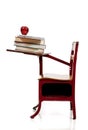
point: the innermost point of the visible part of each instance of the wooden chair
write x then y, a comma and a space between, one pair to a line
59, 88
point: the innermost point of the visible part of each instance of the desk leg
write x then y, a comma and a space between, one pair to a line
34, 108
36, 113
41, 65
40, 73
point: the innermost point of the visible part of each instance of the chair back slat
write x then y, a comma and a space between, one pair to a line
73, 59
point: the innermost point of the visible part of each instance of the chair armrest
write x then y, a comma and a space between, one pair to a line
57, 59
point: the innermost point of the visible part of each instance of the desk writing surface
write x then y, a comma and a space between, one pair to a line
44, 54
39, 55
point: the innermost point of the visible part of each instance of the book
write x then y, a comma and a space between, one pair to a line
30, 50
29, 39
38, 46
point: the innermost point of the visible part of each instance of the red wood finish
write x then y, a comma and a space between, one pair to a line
40, 65
57, 59
71, 81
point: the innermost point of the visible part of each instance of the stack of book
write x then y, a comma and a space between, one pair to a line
30, 44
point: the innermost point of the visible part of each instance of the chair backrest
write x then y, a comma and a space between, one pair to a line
73, 59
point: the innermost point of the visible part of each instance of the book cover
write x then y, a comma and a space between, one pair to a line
29, 39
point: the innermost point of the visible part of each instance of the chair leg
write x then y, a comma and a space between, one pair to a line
74, 109
70, 105
36, 113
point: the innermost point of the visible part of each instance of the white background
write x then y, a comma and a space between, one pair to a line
60, 22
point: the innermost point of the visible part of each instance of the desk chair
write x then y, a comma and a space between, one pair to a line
59, 88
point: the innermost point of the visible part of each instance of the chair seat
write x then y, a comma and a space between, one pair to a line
56, 89
55, 77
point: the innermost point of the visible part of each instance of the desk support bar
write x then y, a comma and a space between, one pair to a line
57, 59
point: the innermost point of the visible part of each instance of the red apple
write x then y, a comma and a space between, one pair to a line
24, 30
